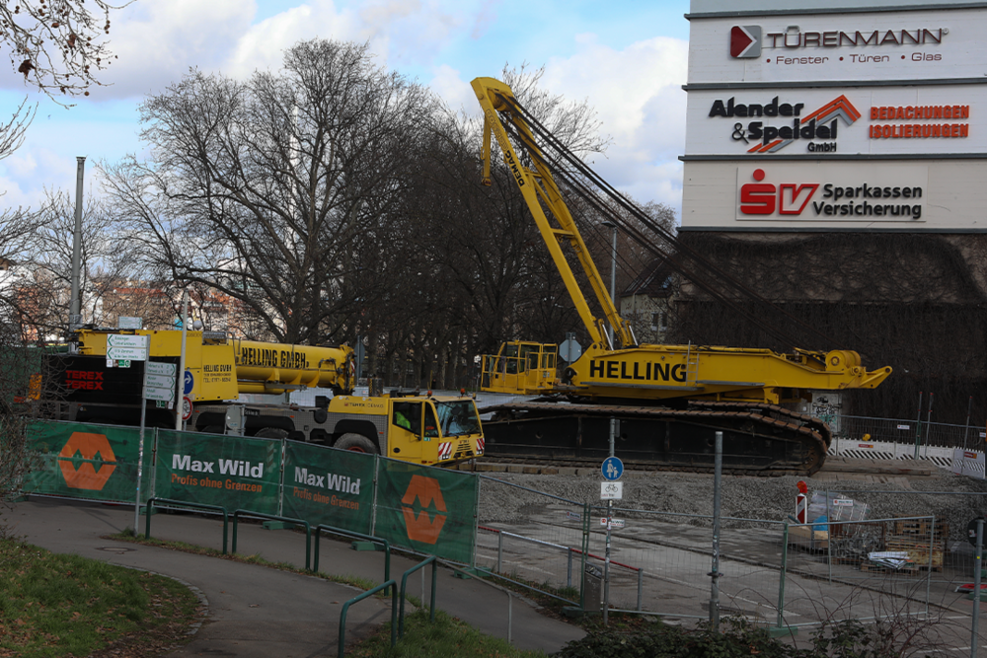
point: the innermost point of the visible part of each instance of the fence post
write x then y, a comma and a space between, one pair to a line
582, 557
779, 627
928, 428
284, 444
500, 552
928, 581
829, 538
977, 564
714, 596
373, 502
918, 425
966, 430
568, 569
640, 587
476, 519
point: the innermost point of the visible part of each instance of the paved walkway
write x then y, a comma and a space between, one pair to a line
259, 611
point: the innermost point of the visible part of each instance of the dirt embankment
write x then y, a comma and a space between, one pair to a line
951, 498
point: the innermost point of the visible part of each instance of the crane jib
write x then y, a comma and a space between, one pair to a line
515, 169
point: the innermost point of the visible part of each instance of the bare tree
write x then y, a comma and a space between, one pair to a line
487, 275
110, 281
266, 190
57, 45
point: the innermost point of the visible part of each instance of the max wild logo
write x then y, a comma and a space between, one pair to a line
85, 475
421, 528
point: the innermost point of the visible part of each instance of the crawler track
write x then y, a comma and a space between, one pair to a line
759, 439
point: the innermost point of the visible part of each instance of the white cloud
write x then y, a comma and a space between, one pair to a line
157, 42
262, 45
635, 88
400, 32
30, 170
638, 96
456, 92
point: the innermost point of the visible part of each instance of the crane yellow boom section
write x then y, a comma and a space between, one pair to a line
662, 372
540, 192
221, 369
634, 372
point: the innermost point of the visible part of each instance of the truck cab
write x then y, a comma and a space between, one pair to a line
430, 430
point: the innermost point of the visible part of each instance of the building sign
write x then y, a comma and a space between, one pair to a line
885, 45
918, 196
937, 119
887, 194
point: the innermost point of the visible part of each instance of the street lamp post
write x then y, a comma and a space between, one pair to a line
75, 296
613, 274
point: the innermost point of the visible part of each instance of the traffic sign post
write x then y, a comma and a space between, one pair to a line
612, 468
162, 369
121, 340
126, 354
155, 393
141, 344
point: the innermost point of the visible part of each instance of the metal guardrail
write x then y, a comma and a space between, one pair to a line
183, 503
358, 535
404, 584
510, 595
356, 599
570, 552
274, 517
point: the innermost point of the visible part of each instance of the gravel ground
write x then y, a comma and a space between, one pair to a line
771, 498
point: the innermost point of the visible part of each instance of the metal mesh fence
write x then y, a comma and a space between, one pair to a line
907, 432
771, 572
530, 536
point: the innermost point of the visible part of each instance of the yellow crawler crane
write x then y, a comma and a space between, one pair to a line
670, 398
225, 381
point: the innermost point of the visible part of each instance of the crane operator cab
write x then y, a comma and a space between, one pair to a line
521, 368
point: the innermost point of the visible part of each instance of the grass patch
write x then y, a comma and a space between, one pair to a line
57, 605
447, 636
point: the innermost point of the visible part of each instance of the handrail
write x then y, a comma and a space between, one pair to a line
359, 535
274, 517
510, 596
183, 503
356, 599
404, 585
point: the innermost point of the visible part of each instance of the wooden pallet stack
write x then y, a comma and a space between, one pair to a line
912, 536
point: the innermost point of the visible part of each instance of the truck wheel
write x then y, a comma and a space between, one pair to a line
356, 443
271, 433
212, 429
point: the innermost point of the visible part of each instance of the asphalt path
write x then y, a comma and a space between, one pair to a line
252, 610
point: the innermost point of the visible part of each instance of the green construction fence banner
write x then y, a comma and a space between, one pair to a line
230, 471
429, 509
86, 461
326, 486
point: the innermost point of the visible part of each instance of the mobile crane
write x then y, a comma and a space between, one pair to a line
86, 385
670, 399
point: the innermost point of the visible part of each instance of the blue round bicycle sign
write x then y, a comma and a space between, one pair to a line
612, 468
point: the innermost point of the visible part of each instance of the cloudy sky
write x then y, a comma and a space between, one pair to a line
627, 58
